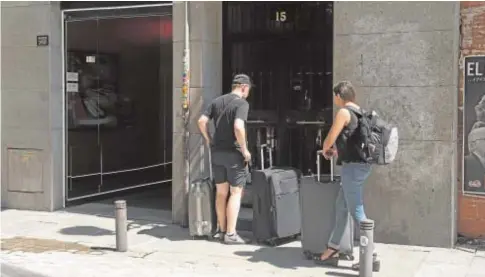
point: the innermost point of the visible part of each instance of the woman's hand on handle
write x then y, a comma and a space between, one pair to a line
329, 153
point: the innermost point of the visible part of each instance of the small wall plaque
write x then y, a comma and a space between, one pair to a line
43, 40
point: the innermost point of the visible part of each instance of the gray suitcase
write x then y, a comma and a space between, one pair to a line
317, 197
202, 212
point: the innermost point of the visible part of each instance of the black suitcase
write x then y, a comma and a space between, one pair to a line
276, 204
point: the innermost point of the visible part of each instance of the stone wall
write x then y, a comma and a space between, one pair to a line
403, 57
471, 219
31, 106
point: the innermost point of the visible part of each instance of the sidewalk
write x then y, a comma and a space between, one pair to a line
79, 242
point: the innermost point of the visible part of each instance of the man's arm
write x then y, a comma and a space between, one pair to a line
239, 129
203, 128
202, 123
240, 133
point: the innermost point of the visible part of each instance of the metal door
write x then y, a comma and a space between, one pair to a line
118, 130
286, 47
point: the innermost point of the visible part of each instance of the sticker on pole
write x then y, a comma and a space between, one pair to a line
364, 241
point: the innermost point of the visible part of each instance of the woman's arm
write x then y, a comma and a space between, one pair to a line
342, 119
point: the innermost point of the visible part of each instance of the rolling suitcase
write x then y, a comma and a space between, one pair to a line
276, 204
202, 212
318, 195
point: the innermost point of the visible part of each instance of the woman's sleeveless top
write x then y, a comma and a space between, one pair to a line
347, 142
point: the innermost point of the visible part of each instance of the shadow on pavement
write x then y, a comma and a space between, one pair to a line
288, 258
340, 274
161, 231
281, 257
157, 230
85, 231
100, 248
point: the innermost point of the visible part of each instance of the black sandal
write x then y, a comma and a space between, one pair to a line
341, 256
332, 260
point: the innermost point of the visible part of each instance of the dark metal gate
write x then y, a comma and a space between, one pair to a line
286, 47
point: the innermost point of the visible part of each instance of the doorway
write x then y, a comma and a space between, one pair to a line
287, 49
118, 103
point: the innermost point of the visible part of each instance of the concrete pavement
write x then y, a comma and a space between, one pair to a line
80, 241
13, 271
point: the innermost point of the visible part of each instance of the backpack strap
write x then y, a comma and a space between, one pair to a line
224, 111
358, 112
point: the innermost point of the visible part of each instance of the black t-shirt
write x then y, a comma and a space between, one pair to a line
232, 106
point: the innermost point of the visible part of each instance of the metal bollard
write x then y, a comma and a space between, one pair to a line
121, 226
366, 257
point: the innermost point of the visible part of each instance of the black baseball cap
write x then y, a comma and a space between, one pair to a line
242, 79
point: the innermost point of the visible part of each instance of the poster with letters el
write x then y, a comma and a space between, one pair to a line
474, 126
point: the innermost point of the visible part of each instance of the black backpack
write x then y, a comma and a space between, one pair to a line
376, 140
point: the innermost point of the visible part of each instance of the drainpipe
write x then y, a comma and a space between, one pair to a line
185, 105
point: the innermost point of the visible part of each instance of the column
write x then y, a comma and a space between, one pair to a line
205, 84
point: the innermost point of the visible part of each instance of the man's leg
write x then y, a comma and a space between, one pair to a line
237, 175
222, 191
221, 205
233, 207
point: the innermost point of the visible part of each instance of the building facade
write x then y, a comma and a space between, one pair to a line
405, 58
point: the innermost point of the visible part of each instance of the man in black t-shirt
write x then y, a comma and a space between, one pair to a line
230, 155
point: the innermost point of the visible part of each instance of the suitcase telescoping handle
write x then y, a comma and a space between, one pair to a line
210, 164
262, 147
319, 153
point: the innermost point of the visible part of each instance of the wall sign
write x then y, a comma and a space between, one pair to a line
281, 16
43, 40
474, 125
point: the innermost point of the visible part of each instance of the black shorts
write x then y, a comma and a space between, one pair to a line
229, 166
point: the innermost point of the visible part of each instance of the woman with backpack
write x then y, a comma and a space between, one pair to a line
342, 141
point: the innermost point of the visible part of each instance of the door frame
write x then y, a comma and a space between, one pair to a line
276, 118
64, 98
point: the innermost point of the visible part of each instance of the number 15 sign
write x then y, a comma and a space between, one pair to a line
281, 16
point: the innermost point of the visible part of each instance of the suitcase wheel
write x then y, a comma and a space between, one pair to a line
308, 255
346, 257
271, 242
267, 242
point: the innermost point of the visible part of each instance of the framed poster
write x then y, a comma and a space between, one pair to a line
474, 126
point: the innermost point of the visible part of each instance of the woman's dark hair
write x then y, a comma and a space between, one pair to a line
345, 90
